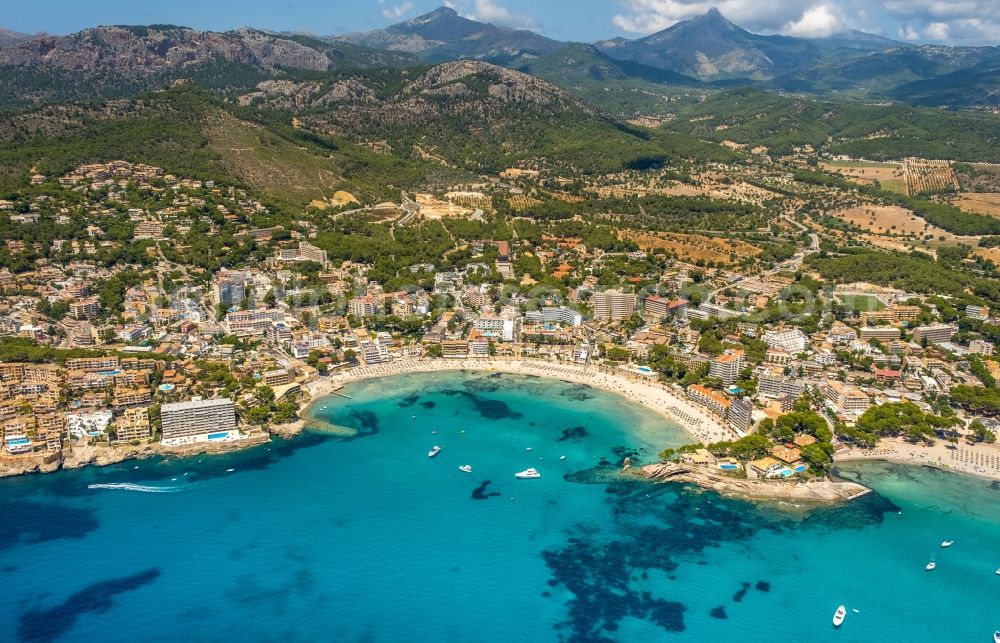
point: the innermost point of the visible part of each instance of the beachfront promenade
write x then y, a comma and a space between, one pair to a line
656, 396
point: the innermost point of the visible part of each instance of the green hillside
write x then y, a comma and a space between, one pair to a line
756, 117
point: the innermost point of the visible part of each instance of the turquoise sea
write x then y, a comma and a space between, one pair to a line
364, 538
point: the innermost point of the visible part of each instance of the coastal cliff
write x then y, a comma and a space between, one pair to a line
86, 455
814, 491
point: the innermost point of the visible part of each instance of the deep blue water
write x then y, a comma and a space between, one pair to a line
364, 538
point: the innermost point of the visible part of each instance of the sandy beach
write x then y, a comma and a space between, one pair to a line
980, 460
666, 401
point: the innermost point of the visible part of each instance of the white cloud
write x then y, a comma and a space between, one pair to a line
395, 11
951, 21
489, 11
820, 21
937, 31
647, 16
954, 21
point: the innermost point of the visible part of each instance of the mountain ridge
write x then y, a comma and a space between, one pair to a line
444, 34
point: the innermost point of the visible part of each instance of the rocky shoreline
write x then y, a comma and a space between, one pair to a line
102, 456
811, 492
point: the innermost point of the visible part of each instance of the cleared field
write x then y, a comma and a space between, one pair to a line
469, 199
889, 175
929, 176
692, 247
434, 208
522, 202
987, 203
861, 303
993, 254
889, 219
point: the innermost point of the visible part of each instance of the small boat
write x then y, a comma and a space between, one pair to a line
528, 448
839, 616
433, 452
930, 566
528, 473
466, 468
996, 636
947, 543
998, 571
855, 610
562, 457
230, 470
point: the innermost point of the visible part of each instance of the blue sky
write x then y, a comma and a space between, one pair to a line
935, 21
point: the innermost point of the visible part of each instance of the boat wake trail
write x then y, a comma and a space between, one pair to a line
127, 486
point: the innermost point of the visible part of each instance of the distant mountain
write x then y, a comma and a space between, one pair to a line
858, 40
141, 50
444, 35
710, 47
618, 86
576, 63
7, 36
111, 62
975, 86
878, 72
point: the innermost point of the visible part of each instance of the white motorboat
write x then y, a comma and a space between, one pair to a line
466, 468
528, 473
996, 636
947, 543
528, 448
839, 616
998, 571
930, 566
433, 452
562, 457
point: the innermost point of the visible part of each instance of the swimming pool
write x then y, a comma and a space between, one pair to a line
18, 442
785, 472
725, 466
644, 369
109, 373
166, 387
222, 435
799, 468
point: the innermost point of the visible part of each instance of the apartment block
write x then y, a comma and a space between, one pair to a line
610, 305
133, 424
93, 364
776, 386
277, 377
934, 333
847, 399
881, 333
715, 401
198, 421
792, 340
727, 367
